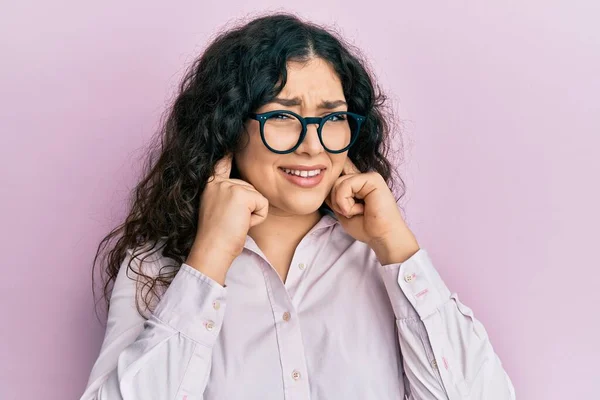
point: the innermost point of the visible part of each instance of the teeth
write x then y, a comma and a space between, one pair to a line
303, 174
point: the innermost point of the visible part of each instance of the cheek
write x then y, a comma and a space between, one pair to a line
337, 163
254, 160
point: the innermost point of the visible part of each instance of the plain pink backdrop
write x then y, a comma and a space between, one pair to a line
500, 114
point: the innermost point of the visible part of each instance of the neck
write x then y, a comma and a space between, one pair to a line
282, 229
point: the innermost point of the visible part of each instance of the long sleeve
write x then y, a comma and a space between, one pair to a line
446, 351
166, 356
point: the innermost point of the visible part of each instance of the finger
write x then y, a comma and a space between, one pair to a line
241, 183
342, 178
332, 206
356, 209
259, 209
243, 189
332, 194
332, 199
344, 200
223, 167
350, 190
349, 167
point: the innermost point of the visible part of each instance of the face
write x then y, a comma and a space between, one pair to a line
316, 91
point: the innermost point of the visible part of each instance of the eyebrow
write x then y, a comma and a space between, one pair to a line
326, 104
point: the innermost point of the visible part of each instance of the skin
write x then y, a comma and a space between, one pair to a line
276, 213
293, 210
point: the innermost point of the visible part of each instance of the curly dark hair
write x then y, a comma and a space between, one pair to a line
241, 70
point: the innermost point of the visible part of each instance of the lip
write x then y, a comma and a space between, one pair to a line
304, 167
308, 182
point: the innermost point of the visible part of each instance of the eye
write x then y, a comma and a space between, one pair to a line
339, 117
280, 116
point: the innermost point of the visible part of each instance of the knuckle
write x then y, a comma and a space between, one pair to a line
237, 192
344, 186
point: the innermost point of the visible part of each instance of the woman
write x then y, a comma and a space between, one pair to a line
265, 256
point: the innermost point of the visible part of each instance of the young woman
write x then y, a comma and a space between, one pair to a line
265, 256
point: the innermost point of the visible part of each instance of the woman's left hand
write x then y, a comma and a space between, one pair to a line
375, 218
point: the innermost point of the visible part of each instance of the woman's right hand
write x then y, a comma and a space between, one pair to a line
228, 209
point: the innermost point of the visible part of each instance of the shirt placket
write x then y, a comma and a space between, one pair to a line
289, 339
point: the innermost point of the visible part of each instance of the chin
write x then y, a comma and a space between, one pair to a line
297, 207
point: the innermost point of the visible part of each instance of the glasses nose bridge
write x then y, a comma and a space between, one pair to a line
313, 121
312, 142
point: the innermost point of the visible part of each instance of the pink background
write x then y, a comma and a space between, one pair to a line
500, 107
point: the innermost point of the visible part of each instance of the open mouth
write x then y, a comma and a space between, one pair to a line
304, 178
303, 174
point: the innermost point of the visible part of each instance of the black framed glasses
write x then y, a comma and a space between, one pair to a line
282, 131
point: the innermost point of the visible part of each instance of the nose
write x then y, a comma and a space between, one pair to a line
311, 144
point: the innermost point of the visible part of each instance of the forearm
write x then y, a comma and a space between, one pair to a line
396, 248
210, 261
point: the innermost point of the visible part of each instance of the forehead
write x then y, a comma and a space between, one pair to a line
315, 79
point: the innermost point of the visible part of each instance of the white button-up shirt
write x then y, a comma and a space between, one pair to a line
342, 326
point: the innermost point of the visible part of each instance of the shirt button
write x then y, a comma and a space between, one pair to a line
434, 364
302, 266
216, 305
286, 316
296, 375
210, 325
409, 278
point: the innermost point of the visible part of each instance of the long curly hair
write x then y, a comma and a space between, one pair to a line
242, 69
